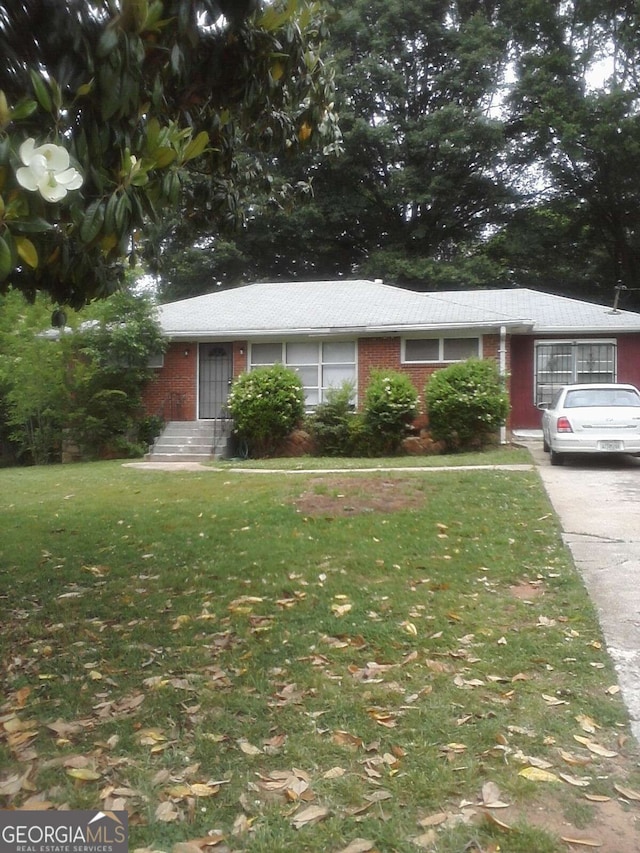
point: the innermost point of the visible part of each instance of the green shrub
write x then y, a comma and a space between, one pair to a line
390, 404
466, 403
331, 423
266, 405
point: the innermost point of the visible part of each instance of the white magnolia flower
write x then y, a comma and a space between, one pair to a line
46, 170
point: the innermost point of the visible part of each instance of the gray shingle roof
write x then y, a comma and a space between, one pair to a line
371, 307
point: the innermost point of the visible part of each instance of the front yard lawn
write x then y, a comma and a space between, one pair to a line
355, 661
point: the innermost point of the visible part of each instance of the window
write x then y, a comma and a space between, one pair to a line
320, 365
569, 362
156, 360
440, 349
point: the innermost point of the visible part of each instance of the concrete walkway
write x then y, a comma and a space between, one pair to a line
597, 502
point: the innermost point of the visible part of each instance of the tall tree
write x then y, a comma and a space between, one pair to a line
420, 176
110, 109
578, 137
489, 143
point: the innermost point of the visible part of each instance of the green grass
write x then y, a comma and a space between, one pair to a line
507, 455
167, 631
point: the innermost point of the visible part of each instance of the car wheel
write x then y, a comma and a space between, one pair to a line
556, 458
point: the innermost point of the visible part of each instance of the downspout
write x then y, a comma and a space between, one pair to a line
502, 365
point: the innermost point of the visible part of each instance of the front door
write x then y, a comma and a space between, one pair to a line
216, 374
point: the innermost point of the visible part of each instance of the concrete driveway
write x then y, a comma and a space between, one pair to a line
598, 504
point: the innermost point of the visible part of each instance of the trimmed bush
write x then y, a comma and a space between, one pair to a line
266, 405
332, 422
390, 404
466, 403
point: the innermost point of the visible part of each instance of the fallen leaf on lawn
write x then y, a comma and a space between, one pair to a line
358, 845
454, 747
596, 748
587, 724
573, 780
84, 774
379, 796
21, 696
293, 784
244, 603
582, 842
167, 812
340, 609
310, 815
212, 839
469, 683
536, 774
334, 773
345, 739
628, 793
10, 785
497, 822
613, 690
534, 761
35, 803
553, 700
491, 796
433, 819
597, 798
248, 748
14, 724
151, 737
545, 622
574, 760
426, 840
383, 718
273, 744
199, 789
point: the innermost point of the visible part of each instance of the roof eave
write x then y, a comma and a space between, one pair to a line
395, 330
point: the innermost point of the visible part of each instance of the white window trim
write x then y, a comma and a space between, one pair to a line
573, 342
441, 339
319, 364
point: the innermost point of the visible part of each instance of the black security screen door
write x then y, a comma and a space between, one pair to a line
216, 373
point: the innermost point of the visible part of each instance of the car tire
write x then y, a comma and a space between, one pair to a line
556, 458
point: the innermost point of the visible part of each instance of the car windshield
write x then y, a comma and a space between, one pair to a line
601, 397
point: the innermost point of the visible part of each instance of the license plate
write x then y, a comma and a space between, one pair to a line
611, 446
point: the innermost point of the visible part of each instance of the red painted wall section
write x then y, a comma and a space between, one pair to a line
629, 359
524, 413
173, 391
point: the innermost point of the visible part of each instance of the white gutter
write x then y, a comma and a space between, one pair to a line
389, 331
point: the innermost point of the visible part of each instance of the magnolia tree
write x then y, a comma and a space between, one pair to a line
111, 109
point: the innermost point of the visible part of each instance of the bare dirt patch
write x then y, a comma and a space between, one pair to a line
614, 826
527, 590
354, 495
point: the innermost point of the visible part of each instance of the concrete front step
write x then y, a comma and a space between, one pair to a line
179, 457
185, 441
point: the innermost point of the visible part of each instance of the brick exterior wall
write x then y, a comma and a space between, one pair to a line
173, 392
381, 353
240, 357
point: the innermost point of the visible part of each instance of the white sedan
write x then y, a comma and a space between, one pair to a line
594, 418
